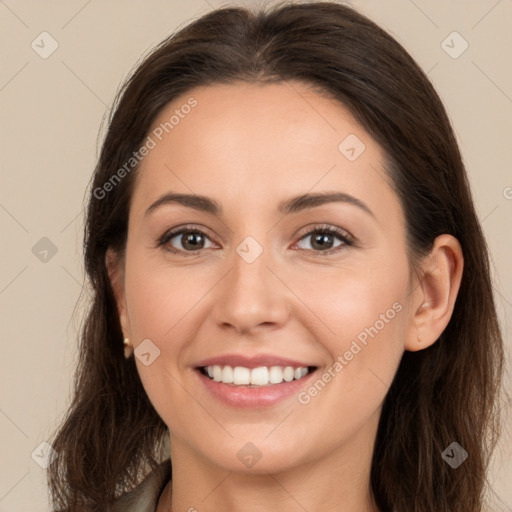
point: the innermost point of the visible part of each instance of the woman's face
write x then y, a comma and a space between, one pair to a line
254, 286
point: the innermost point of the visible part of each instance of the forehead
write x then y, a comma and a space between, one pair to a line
254, 144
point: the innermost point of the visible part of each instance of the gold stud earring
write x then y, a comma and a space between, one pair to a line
128, 348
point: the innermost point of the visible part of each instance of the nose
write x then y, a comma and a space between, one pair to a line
252, 297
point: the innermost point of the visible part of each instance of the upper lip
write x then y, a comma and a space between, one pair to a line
250, 361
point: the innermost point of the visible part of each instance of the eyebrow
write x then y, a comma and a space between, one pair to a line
292, 205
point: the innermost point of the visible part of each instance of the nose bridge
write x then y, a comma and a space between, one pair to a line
251, 294
250, 266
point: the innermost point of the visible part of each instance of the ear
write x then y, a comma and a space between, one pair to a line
114, 263
435, 293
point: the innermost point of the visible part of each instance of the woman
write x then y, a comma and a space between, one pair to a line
282, 232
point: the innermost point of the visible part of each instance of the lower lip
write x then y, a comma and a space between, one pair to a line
257, 397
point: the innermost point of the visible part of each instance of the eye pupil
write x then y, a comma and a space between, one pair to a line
189, 239
193, 240
322, 240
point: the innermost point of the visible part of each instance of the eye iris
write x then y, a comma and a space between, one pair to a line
323, 240
189, 239
194, 240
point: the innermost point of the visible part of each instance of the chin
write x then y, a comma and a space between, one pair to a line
257, 457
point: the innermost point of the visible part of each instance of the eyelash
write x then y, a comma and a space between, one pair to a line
347, 239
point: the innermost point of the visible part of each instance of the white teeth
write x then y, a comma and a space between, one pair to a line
288, 374
275, 375
261, 376
227, 374
241, 375
217, 373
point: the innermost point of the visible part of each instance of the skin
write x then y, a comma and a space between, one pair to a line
249, 147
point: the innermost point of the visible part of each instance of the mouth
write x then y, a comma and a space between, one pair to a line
262, 376
253, 382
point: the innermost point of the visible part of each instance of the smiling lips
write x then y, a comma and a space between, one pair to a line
257, 381
260, 376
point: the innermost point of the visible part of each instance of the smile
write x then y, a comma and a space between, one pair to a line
260, 376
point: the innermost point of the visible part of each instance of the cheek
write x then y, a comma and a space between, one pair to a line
363, 318
149, 306
353, 306
355, 296
159, 297
362, 327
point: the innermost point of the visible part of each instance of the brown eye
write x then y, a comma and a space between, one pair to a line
192, 240
184, 240
323, 239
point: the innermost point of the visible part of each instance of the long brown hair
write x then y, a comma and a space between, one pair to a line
448, 392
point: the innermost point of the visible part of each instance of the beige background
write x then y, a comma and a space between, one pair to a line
51, 112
